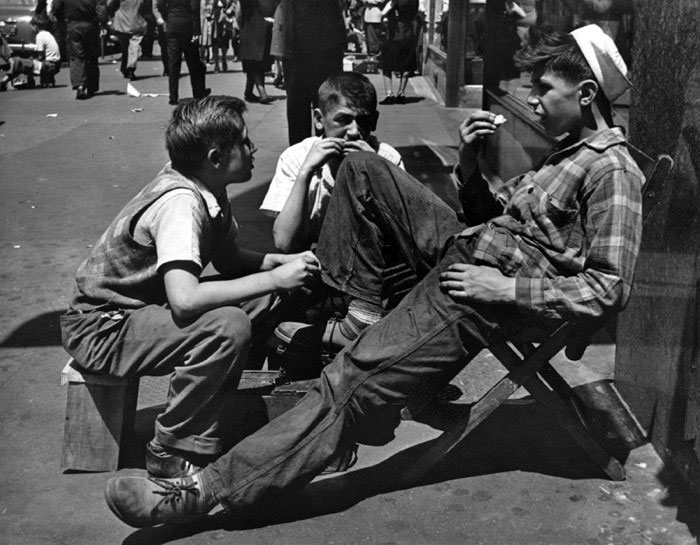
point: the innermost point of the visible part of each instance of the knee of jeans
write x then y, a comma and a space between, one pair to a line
361, 159
374, 417
231, 326
364, 167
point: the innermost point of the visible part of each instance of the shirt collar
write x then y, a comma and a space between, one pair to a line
600, 141
213, 203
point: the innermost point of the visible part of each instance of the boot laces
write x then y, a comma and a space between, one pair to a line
173, 491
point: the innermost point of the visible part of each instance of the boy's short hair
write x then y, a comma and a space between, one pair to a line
555, 52
198, 125
42, 23
357, 91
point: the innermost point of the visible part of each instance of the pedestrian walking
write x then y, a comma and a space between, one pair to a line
373, 26
309, 35
182, 32
130, 26
225, 25
82, 19
206, 16
399, 49
256, 37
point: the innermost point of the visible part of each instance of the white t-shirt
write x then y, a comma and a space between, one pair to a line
373, 11
46, 42
320, 187
172, 223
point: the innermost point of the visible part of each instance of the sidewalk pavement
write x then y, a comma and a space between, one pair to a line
68, 166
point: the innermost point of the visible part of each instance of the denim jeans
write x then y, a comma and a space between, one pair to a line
409, 354
206, 356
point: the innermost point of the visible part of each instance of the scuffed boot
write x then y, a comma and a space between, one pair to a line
143, 502
160, 463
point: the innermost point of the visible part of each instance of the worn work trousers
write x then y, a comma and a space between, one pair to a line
83, 54
409, 354
179, 44
206, 356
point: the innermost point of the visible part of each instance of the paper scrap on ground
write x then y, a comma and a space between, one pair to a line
134, 92
51, 115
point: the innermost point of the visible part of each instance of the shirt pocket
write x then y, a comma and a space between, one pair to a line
545, 218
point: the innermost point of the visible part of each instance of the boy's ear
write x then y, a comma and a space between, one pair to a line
588, 90
318, 119
214, 157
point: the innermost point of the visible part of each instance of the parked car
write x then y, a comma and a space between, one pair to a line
14, 22
15, 16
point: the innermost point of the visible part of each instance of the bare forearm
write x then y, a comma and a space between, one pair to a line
209, 295
290, 228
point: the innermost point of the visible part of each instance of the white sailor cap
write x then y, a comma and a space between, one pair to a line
604, 59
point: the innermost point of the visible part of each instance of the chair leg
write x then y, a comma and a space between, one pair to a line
502, 390
579, 433
569, 417
556, 382
520, 373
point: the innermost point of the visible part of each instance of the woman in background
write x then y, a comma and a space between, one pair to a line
225, 26
256, 35
399, 50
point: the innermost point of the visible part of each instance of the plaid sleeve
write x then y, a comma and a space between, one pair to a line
611, 205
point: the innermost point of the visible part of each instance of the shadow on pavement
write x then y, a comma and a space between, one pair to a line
41, 330
517, 437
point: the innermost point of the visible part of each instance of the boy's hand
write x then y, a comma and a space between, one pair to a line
299, 272
464, 283
321, 151
356, 145
474, 130
272, 261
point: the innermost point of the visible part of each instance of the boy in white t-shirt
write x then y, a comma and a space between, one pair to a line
45, 64
299, 193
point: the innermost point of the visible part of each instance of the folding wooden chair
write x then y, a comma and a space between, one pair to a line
528, 365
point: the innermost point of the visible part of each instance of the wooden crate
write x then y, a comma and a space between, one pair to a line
101, 410
100, 413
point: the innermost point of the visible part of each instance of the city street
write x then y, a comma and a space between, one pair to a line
68, 166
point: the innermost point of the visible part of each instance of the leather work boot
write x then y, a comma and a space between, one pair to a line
302, 350
142, 502
307, 337
160, 463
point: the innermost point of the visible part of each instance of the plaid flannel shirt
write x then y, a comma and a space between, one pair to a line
571, 230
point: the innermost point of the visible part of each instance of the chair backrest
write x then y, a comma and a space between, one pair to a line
657, 172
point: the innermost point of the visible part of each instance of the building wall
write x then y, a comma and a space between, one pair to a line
657, 352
